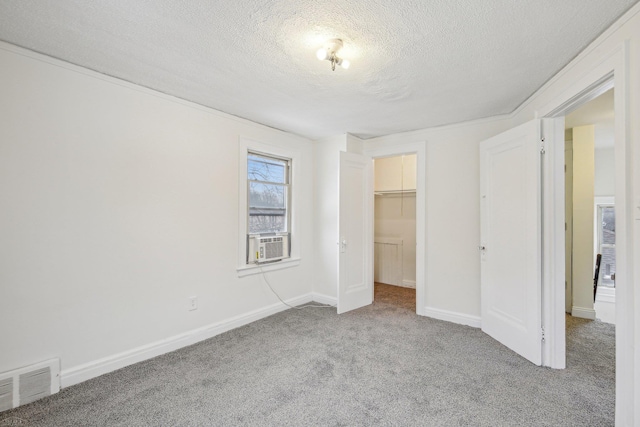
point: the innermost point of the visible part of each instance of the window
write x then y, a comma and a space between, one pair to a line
269, 194
606, 228
268, 205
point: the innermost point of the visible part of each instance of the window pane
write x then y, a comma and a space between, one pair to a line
267, 195
267, 208
607, 266
266, 169
608, 226
607, 244
267, 224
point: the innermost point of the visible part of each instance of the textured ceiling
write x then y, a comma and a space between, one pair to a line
414, 63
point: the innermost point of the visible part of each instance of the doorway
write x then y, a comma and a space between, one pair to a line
590, 195
356, 229
590, 209
395, 229
592, 84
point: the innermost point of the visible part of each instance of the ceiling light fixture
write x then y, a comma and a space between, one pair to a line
330, 53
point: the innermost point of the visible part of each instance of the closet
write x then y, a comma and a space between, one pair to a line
395, 220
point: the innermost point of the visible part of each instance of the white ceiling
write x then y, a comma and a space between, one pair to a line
414, 63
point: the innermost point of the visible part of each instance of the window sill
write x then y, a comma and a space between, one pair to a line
248, 270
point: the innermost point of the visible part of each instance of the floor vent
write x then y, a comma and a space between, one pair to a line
28, 384
6, 394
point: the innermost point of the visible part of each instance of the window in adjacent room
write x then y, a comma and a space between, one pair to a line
606, 227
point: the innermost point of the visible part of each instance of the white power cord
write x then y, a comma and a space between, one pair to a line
264, 277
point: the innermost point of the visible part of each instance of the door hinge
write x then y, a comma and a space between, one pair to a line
542, 146
542, 335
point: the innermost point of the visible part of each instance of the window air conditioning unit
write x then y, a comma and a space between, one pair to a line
267, 248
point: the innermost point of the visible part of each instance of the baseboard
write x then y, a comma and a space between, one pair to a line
584, 313
78, 374
324, 299
409, 284
606, 294
404, 284
453, 317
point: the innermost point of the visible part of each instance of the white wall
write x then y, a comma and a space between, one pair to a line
117, 203
605, 172
583, 184
326, 155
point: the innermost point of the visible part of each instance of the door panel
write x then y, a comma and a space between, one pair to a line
511, 279
355, 282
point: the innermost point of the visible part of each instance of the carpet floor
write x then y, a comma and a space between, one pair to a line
380, 365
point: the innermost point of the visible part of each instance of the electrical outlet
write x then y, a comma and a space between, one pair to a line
193, 303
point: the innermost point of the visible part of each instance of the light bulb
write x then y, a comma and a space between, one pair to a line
345, 64
322, 54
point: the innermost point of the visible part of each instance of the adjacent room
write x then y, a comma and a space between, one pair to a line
590, 209
319, 213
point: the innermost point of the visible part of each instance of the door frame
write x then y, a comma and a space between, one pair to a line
568, 215
419, 149
612, 71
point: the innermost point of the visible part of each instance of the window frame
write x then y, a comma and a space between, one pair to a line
282, 150
287, 184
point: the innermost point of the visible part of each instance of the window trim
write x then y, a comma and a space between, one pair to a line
283, 151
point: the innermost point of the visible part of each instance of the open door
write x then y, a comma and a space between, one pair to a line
355, 281
511, 237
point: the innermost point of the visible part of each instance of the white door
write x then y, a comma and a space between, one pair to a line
355, 281
511, 234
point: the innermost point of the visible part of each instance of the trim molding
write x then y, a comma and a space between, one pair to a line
248, 270
606, 294
583, 312
409, 284
453, 317
78, 374
323, 299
